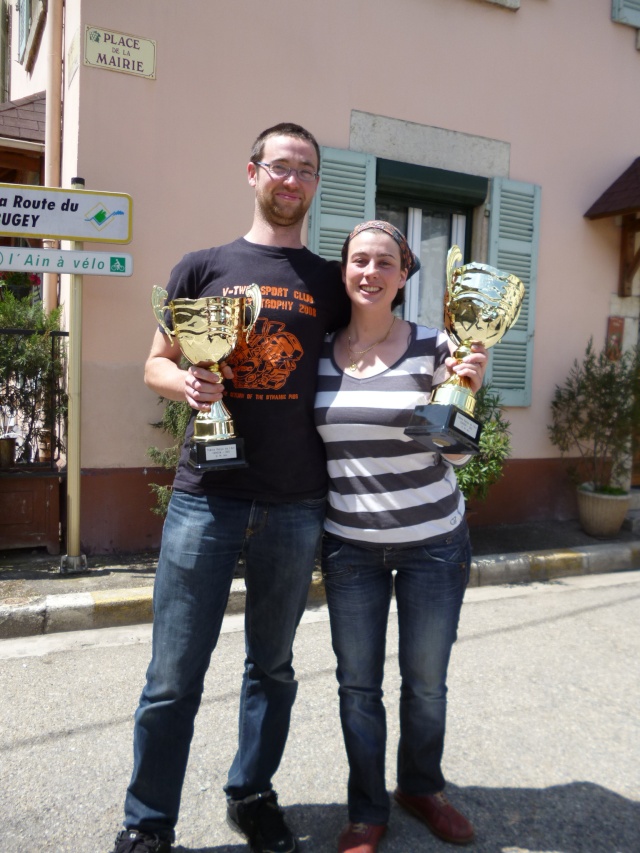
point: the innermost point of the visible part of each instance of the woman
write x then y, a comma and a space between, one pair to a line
393, 507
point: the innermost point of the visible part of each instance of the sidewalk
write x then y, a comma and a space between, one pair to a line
35, 598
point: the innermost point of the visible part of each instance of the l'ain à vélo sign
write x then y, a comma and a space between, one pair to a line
66, 261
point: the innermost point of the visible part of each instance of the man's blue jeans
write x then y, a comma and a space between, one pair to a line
429, 583
202, 540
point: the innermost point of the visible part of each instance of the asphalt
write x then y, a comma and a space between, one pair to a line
36, 597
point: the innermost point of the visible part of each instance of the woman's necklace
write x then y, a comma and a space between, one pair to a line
354, 353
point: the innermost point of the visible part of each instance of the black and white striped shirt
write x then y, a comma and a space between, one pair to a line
384, 488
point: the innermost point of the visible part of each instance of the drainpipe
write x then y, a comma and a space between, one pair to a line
74, 560
53, 127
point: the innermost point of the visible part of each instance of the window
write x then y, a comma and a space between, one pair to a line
31, 20
434, 208
24, 12
430, 231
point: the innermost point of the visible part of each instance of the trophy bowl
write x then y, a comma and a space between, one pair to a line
207, 331
481, 304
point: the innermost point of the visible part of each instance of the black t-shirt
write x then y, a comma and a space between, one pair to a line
272, 394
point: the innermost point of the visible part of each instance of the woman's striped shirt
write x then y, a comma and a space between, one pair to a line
384, 487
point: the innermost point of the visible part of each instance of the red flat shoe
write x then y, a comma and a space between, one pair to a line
439, 815
360, 838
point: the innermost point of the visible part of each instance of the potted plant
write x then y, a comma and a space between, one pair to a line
487, 467
594, 414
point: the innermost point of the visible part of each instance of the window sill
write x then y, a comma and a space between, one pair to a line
508, 4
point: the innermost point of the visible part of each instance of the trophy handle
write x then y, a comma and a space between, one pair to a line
158, 300
253, 292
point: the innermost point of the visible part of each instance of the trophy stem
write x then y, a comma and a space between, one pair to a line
456, 391
217, 423
214, 425
452, 393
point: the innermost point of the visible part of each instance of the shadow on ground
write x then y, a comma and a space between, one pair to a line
580, 817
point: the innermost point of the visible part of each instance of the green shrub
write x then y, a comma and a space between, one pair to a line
175, 417
487, 467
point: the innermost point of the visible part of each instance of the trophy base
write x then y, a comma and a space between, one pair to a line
217, 455
444, 429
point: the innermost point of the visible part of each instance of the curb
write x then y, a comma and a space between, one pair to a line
532, 566
81, 611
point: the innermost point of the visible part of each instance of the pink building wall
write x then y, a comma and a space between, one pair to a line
556, 81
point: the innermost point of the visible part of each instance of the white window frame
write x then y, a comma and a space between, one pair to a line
414, 230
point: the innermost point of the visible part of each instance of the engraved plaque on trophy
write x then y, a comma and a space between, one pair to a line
481, 304
207, 331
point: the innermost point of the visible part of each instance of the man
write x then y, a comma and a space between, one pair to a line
271, 512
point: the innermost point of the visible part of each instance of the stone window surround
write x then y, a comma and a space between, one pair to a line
437, 147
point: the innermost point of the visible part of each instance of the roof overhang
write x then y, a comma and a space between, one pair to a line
622, 199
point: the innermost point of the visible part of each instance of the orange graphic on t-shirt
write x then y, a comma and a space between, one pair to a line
267, 359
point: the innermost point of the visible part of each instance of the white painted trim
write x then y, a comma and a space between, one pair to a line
414, 232
22, 144
458, 230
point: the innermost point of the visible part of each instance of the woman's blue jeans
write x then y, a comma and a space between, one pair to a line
429, 585
202, 540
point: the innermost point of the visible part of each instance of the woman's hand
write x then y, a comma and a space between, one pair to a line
472, 367
202, 388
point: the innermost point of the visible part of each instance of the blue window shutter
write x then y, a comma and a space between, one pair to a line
626, 12
346, 195
513, 247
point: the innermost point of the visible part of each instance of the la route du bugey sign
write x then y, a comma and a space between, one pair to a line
65, 214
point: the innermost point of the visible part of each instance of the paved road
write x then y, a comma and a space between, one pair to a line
542, 748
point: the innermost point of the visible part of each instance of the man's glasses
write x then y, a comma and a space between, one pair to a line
278, 170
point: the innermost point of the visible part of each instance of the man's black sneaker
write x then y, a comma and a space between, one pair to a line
261, 820
133, 841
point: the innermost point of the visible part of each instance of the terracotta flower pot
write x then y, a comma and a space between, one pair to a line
601, 514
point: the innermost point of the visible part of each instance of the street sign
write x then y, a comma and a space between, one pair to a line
64, 261
120, 52
62, 214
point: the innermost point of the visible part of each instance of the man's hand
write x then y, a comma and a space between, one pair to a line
202, 388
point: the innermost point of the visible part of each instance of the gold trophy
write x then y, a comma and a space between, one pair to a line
207, 330
481, 304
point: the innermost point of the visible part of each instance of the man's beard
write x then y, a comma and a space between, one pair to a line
274, 214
